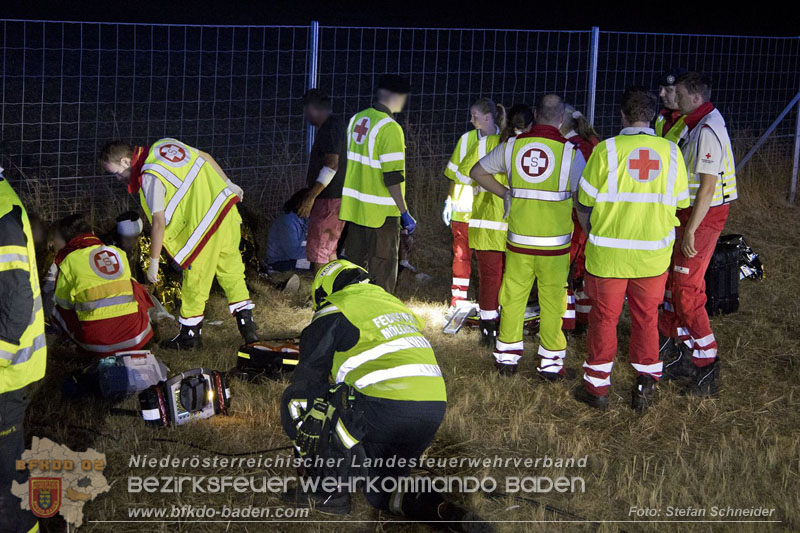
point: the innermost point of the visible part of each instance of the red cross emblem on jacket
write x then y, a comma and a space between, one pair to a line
360, 131
644, 165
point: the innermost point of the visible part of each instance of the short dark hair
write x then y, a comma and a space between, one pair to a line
639, 104
316, 98
394, 84
696, 83
73, 225
114, 151
549, 108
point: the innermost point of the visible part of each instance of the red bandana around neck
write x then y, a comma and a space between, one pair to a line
697, 115
84, 240
543, 130
137, 162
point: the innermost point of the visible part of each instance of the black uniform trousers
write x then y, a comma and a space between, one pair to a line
375, 249
12, 444
396, 429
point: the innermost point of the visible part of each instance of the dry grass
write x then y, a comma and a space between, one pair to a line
740, 450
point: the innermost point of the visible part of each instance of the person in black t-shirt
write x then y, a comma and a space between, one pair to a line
326, 170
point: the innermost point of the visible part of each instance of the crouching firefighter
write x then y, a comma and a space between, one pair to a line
191, 205
387, 401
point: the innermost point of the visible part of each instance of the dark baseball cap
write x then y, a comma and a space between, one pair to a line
670, 77
394, 83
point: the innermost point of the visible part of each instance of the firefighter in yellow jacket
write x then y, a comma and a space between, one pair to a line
23, 352
191, 205
543, 170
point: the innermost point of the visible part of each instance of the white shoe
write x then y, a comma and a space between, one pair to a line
292, 284
532, 312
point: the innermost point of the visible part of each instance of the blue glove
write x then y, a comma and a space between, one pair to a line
408, 223
447, 212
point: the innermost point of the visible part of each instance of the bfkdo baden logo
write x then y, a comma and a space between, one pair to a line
44, 496
61, 480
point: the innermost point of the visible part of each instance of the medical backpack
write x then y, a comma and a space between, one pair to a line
722, 277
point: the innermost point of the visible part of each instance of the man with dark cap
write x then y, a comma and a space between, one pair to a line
669, 121
373, 197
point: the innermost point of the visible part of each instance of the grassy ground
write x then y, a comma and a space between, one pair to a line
741, 450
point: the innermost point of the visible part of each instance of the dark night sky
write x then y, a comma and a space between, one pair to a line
682, 16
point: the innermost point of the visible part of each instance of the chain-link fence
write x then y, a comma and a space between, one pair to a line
68, 88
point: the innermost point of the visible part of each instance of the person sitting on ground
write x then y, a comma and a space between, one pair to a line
97, 302
286, 241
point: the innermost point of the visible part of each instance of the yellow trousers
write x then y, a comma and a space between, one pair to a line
520, 273
221, 258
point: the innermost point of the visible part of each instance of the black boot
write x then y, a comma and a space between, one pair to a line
431, 508
667, 348
505, 369
333, 502
247, 328
643, 393
189, 338
678, 364
584, 396
488, 332
705, 381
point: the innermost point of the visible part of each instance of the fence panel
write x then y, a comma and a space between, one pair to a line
68, 88
753, 80
233, 91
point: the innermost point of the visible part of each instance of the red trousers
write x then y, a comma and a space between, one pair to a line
107, 336
608, 296
577, 249
578, 303
685, 315
490, 272
462, 255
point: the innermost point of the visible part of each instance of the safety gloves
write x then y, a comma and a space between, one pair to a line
447, 212
408, 223
152, 271
311, 427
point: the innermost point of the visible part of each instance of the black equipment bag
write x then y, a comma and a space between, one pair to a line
750, 265
268, 359
722, 277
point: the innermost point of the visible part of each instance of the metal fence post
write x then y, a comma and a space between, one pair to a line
595, 45
793, 186
761, 140
312, 67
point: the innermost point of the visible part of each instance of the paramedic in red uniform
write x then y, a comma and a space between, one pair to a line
580, 132
712, 187
97, 302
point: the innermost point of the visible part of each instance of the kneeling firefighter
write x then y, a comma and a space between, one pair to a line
388, 398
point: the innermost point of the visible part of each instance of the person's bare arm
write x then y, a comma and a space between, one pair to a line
332, 162
397, 195
487, 181
211, 161
702, 203
218, 169
157, 235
